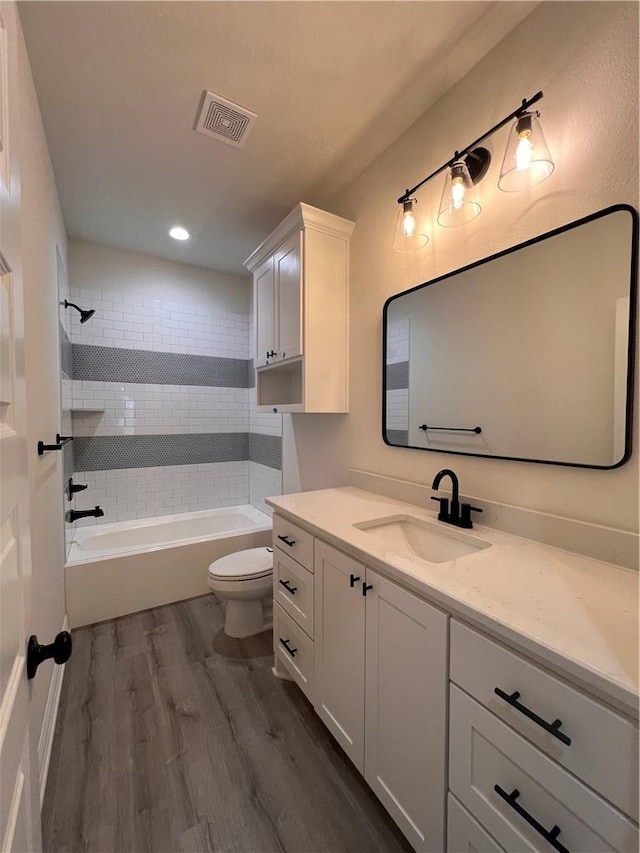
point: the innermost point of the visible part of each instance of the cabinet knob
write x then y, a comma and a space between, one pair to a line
366, 587
287, 541
353, 579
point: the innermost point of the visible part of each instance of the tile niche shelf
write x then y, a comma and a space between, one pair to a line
301, 299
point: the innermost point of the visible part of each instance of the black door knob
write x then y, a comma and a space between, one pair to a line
59, 650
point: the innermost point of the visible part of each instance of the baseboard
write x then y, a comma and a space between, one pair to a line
45, 742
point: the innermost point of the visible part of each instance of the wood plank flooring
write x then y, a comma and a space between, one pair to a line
170, 737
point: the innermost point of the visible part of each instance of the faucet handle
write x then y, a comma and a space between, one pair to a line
443, 515
465, 514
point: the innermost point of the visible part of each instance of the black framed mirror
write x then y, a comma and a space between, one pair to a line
525, 355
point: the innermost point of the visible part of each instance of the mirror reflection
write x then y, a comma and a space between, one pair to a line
524, 355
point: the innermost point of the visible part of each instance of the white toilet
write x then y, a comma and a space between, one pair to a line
244, 580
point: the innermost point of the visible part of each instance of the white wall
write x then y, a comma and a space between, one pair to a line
93, 266
42, 235
584, 56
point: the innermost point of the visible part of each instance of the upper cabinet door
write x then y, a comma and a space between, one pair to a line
265, 316
288, 273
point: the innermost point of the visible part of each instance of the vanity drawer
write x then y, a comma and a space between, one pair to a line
604, 745
293, 589
464, 833
485, 753
294, 541
293, 650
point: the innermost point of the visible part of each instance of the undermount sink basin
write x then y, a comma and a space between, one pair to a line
423, 539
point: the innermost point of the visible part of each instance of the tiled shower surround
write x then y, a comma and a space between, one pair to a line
397, 376
164, 409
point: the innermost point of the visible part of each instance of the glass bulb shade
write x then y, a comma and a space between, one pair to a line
458, 204
527, 160
408, 235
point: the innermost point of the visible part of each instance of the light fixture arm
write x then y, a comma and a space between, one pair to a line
460, 154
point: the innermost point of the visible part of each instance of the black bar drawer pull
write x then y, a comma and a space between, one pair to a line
287, 541
553, 728
286, 585
285, 643
550, 835
365, 587
353, 579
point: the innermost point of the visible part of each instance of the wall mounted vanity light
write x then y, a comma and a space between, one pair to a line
526, 162
407, 236
84, 315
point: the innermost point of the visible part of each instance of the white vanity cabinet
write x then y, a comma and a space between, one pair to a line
446, 723
301, 295
339, 647
293, 603
381, 688
537, 763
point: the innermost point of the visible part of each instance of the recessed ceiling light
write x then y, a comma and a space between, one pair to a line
179, 233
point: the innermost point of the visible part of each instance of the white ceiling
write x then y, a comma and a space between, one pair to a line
333, 84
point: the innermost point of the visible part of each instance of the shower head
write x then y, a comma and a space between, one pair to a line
84, 315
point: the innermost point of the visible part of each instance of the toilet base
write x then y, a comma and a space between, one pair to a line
245, 619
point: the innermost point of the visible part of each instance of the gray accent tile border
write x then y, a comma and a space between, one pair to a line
68, 461
397, 376
112, 364
107, 453
399, 437
266, 450
66, 352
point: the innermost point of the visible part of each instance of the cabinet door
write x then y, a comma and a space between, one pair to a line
264, 311
288, 273
405, 710
339, 648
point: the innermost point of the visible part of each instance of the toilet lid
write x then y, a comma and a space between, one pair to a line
243, 565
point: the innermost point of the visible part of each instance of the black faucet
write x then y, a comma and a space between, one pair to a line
72, 488
456, 513
75, 514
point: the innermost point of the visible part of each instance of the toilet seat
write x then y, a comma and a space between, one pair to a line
250, 564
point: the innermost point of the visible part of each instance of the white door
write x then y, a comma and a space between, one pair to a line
288, 269
264, 312
339, 627
19, 795
405, 710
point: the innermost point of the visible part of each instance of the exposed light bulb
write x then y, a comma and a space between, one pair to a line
457, 192
523, 151
408, 223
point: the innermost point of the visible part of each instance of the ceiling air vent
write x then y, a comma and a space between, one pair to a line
224, 120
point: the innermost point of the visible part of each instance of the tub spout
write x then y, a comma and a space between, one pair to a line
75, 514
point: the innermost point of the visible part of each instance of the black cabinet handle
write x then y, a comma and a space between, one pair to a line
285, 643
59, 650
365, 587
549, 835
553, 728
287, 541
353, 579
291, 589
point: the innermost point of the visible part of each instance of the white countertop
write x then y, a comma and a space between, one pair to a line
576, 615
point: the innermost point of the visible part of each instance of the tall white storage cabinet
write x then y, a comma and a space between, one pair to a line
301, 311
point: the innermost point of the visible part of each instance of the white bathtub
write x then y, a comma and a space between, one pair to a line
115, 569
